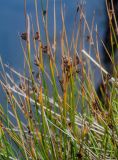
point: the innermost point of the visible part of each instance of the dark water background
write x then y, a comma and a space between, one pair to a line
12, 22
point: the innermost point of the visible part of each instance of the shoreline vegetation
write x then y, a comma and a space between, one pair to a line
57, 115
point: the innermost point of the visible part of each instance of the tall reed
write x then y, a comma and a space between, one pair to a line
72, 123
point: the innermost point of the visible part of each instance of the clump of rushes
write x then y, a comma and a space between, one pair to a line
72, 123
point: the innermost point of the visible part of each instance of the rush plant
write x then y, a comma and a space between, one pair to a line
55, 113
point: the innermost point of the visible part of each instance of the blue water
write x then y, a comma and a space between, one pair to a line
12, 23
